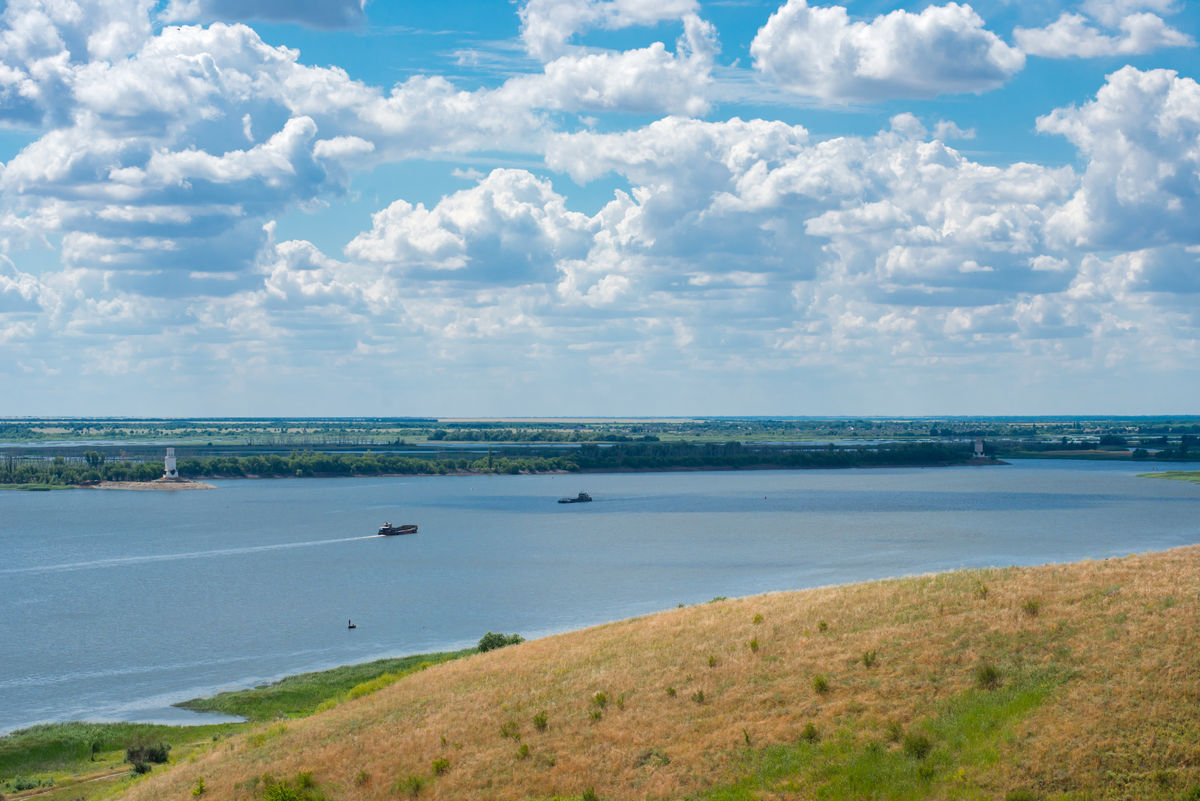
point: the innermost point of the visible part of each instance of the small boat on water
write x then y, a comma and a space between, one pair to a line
582, 497
388, 530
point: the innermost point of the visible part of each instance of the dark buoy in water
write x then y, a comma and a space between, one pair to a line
350, 624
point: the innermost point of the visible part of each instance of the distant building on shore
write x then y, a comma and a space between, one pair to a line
979, 454
170, 471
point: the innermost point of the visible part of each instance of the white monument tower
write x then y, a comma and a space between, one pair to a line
170, 472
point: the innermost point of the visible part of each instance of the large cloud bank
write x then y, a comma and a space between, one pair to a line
160, 155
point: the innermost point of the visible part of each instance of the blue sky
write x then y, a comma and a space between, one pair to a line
599, 207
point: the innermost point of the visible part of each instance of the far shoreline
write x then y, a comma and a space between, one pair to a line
202, 484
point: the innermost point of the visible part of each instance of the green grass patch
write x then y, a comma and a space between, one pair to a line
960, 738
36, 487
62, 750
1176, 475
1082, 456
302, 694
89, 747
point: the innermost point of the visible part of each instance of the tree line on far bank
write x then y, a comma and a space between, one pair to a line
93, 467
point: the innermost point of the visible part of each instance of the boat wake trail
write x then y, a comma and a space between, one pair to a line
122, 561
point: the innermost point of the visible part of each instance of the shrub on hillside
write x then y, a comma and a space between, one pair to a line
917, 746
987, 676
142, 755
491, 641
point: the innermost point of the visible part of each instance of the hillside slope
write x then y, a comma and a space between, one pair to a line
1077, 681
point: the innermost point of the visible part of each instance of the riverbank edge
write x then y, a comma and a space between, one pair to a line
73, 757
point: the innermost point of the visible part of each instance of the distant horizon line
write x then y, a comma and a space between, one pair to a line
595, 418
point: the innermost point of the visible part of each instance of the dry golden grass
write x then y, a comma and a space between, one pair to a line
1119, 638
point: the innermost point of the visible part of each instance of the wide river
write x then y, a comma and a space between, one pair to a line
114, 605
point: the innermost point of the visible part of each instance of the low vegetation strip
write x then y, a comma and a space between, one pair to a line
1178, 475
303, 693
1063, 683
79, 761
62, 755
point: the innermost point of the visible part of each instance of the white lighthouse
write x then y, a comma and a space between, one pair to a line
170, 471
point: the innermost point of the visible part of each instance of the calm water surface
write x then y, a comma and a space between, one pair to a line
117, 604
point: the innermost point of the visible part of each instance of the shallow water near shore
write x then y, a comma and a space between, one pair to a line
116, 605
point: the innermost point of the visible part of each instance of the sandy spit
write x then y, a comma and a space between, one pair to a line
167, 486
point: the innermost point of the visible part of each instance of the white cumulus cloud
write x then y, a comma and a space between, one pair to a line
510, 228
1141, 139
547, 25
820, 52
649, 79
1073, 36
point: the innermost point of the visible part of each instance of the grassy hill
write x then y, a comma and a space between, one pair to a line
1077, 681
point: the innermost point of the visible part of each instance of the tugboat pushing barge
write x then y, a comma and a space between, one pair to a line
582, 497
388, 530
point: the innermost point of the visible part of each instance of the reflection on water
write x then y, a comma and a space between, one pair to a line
116, 604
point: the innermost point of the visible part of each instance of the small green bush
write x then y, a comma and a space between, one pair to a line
987, 676
1022, 795
595, 714
712, 661
411, 784
440, 766
362, 778
24, 783
822, 626
302, 788
589, 795
491, 641
868, 658
810, 733
754, 644
671, 692
600, 700
758, 618
198, 787
540, 721
698, 696
917, 746
1031, 606
820, 684
511, 730
147, 752
652, 756
523, 751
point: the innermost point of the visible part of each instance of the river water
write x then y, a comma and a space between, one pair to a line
114, 605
